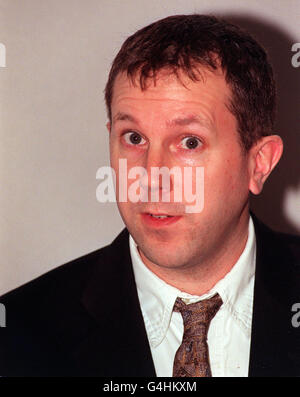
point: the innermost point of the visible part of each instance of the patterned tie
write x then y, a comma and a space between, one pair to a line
191, 358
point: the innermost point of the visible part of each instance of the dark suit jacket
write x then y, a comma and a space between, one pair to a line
84, 318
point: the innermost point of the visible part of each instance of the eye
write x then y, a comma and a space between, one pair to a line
134, 138
190, 142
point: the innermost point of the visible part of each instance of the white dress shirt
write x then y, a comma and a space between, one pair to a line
230, 330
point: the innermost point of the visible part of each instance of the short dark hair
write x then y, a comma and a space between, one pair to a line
184, 42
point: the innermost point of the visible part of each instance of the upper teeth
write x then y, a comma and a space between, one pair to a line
160, 216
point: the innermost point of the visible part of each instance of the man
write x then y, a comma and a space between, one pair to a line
178, 293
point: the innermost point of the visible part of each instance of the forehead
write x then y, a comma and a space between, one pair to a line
169, 90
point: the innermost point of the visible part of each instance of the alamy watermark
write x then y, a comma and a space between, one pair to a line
2, 315
2, 55
135, 185
295, 60
296, 316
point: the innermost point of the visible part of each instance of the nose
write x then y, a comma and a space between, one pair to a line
157, 179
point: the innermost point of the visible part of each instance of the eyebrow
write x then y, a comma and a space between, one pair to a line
178, 121
193, 119
123, 117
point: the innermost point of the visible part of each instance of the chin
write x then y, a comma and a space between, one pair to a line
165, 257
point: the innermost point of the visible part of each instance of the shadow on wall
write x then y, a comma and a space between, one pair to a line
279, 203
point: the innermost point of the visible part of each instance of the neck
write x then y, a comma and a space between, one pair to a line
199, 278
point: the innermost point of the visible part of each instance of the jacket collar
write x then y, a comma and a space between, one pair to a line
274, 341
118, 335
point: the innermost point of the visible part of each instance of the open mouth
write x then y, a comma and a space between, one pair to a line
160, 216
159, 220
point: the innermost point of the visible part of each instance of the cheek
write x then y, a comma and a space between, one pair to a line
113, 151
134, 156
117, 152
126, 212
227, 180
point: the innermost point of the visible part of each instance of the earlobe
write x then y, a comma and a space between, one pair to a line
264, 156
108, 126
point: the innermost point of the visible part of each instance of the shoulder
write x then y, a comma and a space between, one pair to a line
276, 243
67, 280
47, 317
278, 262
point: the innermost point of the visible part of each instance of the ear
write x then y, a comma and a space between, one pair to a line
263, 157
108, 126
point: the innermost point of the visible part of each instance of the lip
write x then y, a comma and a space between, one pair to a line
159, 222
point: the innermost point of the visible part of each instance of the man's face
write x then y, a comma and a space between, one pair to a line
181, 124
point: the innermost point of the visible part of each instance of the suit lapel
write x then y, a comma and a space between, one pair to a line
274, 342
117, 344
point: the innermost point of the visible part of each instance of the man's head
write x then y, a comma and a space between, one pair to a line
193, 91
186, 42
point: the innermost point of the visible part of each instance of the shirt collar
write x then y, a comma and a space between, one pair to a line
157, 298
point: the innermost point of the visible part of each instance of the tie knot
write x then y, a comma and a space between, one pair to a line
201, 312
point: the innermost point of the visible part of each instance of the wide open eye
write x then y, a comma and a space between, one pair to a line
190, 142
134, 138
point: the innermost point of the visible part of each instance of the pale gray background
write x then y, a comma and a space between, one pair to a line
53, 136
